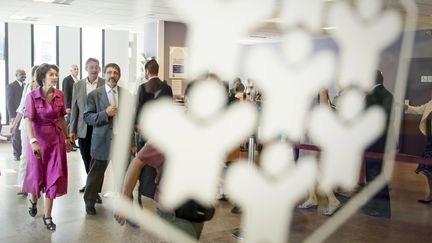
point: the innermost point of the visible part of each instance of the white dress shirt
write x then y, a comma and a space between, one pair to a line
112, 94
91, 86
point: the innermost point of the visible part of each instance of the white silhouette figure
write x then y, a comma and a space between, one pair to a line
344, 138
268, 197
196, 143
215, 28
307, 13
362, 34
289, 89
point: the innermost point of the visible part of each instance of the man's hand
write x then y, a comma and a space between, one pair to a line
72, 136
13, 129
68, 145
111, 111
120, 219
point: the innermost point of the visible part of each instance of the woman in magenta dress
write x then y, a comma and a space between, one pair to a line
47, 142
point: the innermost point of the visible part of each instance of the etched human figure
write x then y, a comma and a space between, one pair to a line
289, 89
353, 28
350, 129
215, 28
306, 13
277, 189
196, 143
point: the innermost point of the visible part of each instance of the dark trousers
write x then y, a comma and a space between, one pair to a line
94, 181
85, 148
147, 185
16, 143
379, 204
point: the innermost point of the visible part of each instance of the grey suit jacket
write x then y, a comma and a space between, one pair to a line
77, 124
96, 116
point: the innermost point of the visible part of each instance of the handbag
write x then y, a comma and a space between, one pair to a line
195, 212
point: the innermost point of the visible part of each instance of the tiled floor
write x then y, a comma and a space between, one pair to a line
411, 222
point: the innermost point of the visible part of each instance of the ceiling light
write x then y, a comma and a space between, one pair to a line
273, 20
328, 28
17, 17
44, 1
22, 18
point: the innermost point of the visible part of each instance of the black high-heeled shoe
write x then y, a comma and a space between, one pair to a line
50, 226
33, 209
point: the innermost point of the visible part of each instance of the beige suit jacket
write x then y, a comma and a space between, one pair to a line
423, 110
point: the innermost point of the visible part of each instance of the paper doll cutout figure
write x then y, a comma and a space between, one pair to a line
196, 143
215, 28
343, 138
268, 197
355, 27
289, 89
307, 13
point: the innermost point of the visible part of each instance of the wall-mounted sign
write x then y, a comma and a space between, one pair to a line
177, 60
426, 79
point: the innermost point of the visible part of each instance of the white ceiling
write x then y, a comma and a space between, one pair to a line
131, 14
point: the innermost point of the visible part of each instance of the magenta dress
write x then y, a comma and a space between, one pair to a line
49, 173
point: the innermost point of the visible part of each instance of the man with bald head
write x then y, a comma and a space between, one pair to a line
13, 97
67, 87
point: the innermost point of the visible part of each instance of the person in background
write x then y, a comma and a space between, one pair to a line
149, 91
67, 87
2, 138
48, 142
379, 204
312, 202
18, 125
237, 91
13, 97
425, 128
101, 112
150, 156
78, 128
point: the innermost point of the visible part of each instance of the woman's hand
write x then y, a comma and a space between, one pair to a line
36, 150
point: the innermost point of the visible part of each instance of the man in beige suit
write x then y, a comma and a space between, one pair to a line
78, 128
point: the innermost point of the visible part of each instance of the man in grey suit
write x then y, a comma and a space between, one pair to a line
13, 97
78, 128
101, 110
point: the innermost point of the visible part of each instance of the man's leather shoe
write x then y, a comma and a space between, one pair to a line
98, 199
82, 190
90, 210
424, 201
236, 210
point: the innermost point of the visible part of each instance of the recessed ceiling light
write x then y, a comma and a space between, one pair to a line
17, 17
44, 1
273, 20
328, 28
22, 18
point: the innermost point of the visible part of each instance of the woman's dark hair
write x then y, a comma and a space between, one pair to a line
41, 72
